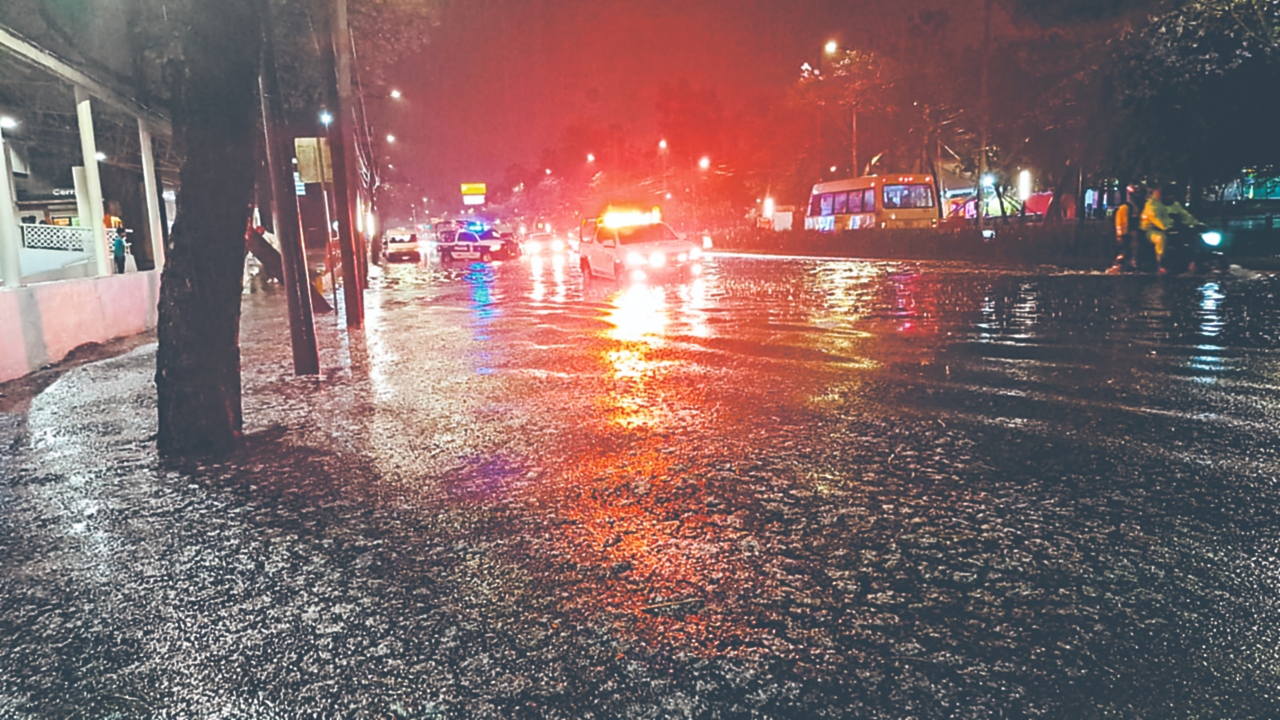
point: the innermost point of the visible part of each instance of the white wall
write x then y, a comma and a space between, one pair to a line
40, 324
40, 262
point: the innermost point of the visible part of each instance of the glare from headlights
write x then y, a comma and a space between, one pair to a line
1212, 239
696, 270
634, 258
535, 246
637, 276
557, 245
657, 259
682, 257
695, 253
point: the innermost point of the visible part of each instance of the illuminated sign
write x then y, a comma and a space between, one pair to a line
474, 189
472, 199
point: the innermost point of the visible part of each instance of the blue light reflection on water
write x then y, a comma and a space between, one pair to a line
484, 308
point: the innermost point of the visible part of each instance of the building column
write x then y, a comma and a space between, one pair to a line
93, 183
155, 231
10, 240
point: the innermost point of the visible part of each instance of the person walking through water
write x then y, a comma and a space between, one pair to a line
1128, 230
118, 247
1162, 214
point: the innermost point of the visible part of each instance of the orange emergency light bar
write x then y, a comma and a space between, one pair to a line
630, 218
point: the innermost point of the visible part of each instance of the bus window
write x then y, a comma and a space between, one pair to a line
869, 200
841, 205
908, 197
827, 202
855, 201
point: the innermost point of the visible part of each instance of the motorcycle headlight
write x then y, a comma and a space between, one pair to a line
634, 258
1211, 238
657, 259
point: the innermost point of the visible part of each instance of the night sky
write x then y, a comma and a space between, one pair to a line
503, 79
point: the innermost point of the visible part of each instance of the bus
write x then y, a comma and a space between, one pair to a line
891, 201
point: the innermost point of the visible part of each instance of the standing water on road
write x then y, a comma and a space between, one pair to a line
790, 488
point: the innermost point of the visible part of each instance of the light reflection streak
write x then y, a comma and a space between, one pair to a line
1211, 326
639, 319
485, 297
1211, 297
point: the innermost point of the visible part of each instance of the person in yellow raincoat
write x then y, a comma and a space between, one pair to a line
1161, 214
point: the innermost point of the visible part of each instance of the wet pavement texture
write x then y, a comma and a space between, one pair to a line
793, 488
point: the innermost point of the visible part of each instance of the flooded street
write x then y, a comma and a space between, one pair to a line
791, 488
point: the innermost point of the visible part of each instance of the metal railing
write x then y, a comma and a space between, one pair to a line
56, 237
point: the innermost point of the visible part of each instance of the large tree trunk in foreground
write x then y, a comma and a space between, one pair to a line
198, 364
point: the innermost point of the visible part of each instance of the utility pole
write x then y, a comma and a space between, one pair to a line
279, 149
340, 140
985, 110
856, 171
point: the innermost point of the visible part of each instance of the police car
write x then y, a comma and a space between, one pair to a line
636, 245
477, 244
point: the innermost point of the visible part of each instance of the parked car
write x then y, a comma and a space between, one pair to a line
403, 247
485, 246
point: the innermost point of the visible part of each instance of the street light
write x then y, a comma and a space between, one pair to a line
1024, 185
395, 95
548, 171
8, 123
391, 139
591, 157
662, 144
831, 47
101, 156
705, 162
326, 118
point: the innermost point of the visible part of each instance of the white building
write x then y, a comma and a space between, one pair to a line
58, 285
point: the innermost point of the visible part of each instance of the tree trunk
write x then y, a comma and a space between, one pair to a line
198, 362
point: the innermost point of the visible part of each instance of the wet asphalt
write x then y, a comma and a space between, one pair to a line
791, 489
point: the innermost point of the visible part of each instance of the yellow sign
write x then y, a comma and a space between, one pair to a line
474, 189
314, 161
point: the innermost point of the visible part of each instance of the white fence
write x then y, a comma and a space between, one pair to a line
56, 237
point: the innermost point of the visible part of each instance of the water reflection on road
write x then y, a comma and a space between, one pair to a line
790, 488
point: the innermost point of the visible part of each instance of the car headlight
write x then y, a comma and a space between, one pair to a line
534, 246
557, 245
634, 258
495, 248
695, 252
657, 259
682, 257
1212, 238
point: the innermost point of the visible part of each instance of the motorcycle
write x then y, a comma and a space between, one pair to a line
1193, 249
